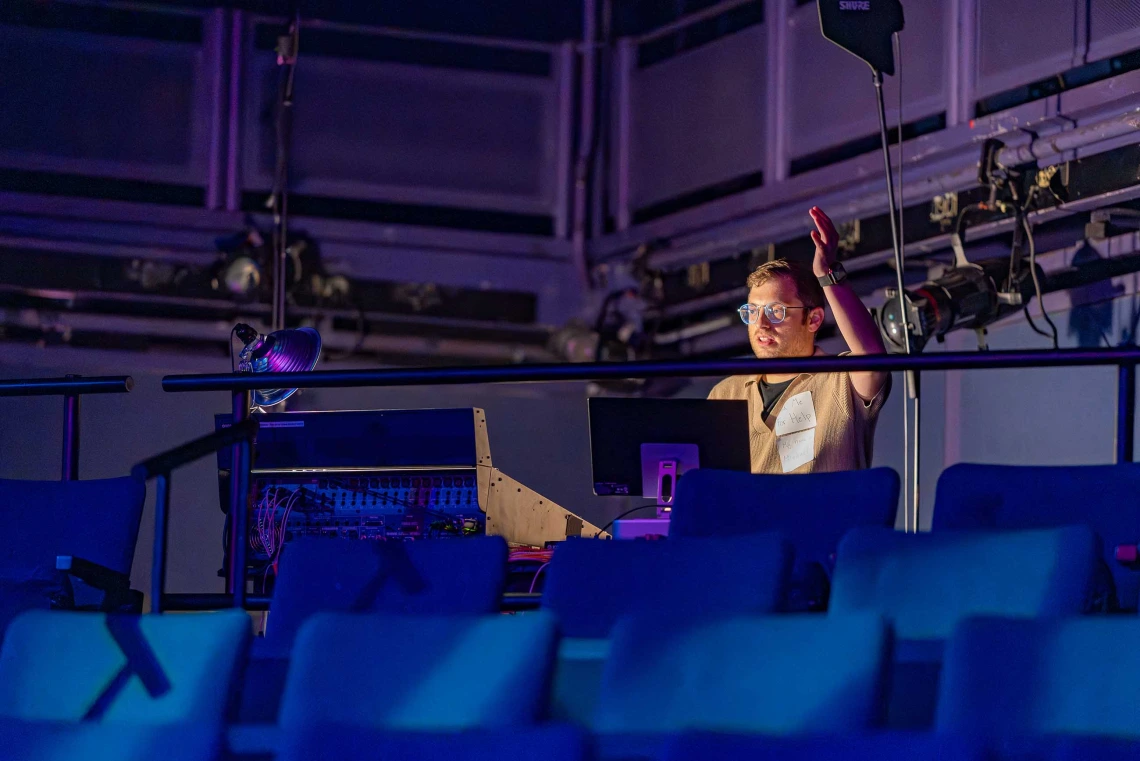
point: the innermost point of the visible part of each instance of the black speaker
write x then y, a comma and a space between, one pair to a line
863, 28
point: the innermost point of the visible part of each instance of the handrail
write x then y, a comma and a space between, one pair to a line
160, 468
192, 601
70, 388
585, 371
117, 384
184, 454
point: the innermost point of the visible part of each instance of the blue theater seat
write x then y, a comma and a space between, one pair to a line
70, 741
918, 746
96, 520
419, 673
337, 743
812, 511
1067, 748
1007, 678
924, 584
778, 675
1021, 497
454, 577
593, 582
89, 685
438, 577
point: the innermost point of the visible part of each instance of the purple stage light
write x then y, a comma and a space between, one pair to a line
285, 351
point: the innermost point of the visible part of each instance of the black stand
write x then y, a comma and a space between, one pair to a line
70, 469
910, 444
279, 200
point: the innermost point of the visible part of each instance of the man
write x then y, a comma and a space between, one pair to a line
809, 422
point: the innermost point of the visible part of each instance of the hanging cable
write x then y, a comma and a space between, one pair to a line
1037, 281
1033, 323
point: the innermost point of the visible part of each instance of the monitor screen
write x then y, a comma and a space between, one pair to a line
620, 427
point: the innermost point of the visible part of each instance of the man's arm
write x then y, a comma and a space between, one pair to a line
855, 323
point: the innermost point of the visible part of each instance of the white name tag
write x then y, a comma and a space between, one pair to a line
796, 449
797, 414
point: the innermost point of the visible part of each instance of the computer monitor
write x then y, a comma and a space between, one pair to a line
639, 447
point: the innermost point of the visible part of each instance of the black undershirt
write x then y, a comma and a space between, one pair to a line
770, 393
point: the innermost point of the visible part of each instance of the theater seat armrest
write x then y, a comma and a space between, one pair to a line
116, 586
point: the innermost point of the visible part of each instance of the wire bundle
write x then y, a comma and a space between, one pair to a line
270, 536
531, 555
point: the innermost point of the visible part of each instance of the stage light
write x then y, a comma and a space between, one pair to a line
240, 277
285, 351
966, 296
238, 270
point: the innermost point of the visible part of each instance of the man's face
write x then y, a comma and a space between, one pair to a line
795, 336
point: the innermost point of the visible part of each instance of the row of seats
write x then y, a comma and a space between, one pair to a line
923, 585
93, 685
813, 514
99, 520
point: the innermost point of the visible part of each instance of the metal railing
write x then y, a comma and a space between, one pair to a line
240, 386
160, 467
201, 601
70, 387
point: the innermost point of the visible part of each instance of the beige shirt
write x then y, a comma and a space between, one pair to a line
845, 424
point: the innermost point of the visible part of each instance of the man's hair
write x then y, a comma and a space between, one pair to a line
808, 289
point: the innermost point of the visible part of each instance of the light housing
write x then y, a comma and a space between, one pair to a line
293, 350
967, 296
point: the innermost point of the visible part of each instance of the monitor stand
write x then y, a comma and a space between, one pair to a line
661, 467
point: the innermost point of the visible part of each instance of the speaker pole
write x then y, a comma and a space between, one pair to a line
910, 516
878, 79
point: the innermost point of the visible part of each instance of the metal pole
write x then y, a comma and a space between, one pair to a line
287, 59
158, 562
683, 368
215, 26
233, 121
239, 500
915, 485
1125, 412
72, 384
625, 60
878, 79
188, 601
586, 136
70, 436
911, 484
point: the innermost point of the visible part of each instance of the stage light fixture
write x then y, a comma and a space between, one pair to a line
965, 296
293, 350
239, 269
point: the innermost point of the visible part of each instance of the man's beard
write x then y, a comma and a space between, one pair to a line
768, 350
773, 348
779, 347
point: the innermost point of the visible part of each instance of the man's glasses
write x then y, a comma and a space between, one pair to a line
775, 312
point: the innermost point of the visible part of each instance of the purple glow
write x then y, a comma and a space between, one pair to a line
286, 351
